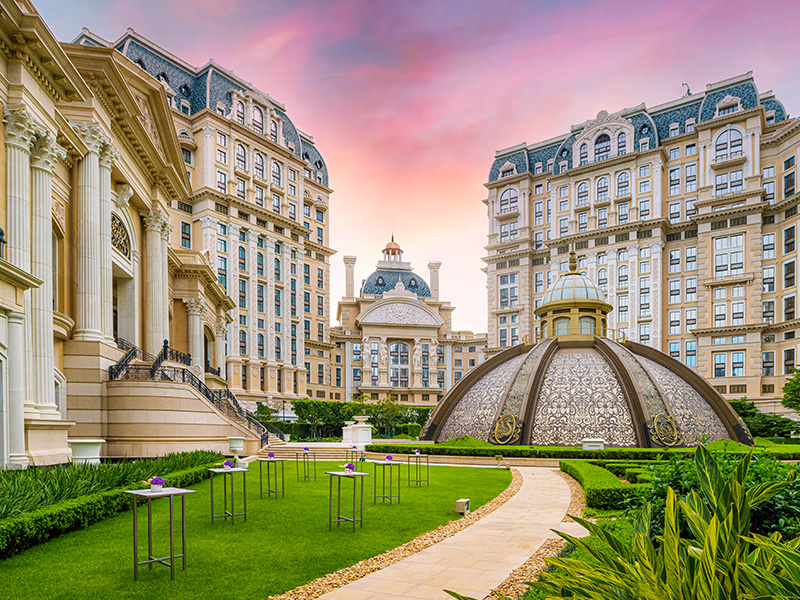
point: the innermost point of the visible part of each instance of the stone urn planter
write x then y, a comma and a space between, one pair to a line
86, 451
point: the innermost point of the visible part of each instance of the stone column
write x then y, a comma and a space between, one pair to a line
196, 309
209, 173
45, 154
16, 391
87, 316
154, 298
166, 230
20, 130
434, 267
222, 332
108, 155
349, 266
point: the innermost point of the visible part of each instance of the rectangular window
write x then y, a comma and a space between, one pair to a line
788, 361
602, 217
622, 213
768, 363
675, 212
222, 182
583, 221
644, 333
675, 291
644, 171
691, 149
675, 260
241, 188
720, 360
320, 279
768, 246
691, 319
691, 178
674, 153
644, 209
690, 208
644, 186
788, 308
788, 275
737, 313
768, 279
186, 235
691, 353
788, 240
769, 192
674, 322
691, 289
675, 181
222, 156
768, 311
508, 289
788, 163
788, 184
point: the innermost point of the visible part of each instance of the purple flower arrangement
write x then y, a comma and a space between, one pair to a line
355, 447
305, 449
349, 467
228, 464
389, 457
270, 454
416, 451
156, 480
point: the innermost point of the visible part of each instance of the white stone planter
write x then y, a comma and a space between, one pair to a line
156, 488
86, 451
362, 432
236, 445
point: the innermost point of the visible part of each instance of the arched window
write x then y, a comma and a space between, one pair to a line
398, 364
583, 193
602, 279
258, 120
602, 147
561, 326
729, 143
584, 154
242, 258
273, 131
586, 325
261, 345
622, 143
602, 188
240, 111
241, 157
623, 184
242, 341
276, 174
622, 275
544, 329
508, 200
260, 263
258, 161
277, 347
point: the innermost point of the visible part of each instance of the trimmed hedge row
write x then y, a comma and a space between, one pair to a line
533, 451
41, 525
601, 488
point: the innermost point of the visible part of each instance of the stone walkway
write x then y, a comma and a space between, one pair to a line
477, 559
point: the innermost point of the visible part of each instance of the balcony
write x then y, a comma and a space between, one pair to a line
730, 160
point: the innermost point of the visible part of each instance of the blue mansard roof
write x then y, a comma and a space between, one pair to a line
384, 280
700, 107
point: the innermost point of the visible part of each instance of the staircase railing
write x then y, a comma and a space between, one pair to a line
212, 370
223, 400
132, 352
168, 353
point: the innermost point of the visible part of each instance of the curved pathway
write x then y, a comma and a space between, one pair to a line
479, 558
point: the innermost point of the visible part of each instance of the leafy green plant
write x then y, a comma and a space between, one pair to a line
762, 424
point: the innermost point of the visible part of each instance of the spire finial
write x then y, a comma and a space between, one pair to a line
573, 261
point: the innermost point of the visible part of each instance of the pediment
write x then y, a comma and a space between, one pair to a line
400, 312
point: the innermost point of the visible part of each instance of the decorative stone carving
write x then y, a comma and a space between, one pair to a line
154, 220
60, 214
147, 121
20, 127
124, 194
399, 313
417, 356
120, 238
108, 155
91, 135
383, 350
45, 153
195, 307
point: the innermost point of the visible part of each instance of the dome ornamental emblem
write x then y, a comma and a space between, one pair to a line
664, 431
506, 430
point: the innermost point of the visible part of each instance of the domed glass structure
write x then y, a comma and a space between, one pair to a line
577, 383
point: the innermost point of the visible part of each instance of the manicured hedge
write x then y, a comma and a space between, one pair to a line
532, 451
41, 525
601, 487
412, 429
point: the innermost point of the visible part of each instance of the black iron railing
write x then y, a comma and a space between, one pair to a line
212, 370
223, 399
131, 353
168, 353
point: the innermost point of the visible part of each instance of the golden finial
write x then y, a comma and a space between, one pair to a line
573, 261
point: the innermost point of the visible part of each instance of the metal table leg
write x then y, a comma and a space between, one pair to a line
183, 528
171, 538
212, 498
149, 534
135, 542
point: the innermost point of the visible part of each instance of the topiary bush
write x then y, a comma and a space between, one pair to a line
602, 488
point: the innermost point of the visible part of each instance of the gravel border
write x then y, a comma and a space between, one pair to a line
330, 582
532, 568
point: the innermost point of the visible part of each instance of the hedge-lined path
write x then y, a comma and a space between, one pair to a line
477, 559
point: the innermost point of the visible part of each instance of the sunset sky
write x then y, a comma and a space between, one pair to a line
408, 100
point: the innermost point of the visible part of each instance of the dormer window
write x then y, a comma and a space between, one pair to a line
602, 147
507, 173
727, 110
729, 104
674, 130
645, 130
584, 154
380, 282
413, 283
240, 111
184, 89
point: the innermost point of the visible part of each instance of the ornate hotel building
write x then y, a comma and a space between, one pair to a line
396, 337
148, 200
684, 213
257, 213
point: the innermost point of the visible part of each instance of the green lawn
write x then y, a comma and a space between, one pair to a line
284, 543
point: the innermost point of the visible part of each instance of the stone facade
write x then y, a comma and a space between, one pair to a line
685, 214
396, 337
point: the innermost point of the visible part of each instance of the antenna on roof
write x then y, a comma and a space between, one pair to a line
688, 92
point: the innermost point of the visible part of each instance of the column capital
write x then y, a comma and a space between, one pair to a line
196, 307
208, 130
434, 265
20, 127
91, 135
108, 155
350, 261
124, 194
209, 222
166, 230
154, 220
45, 153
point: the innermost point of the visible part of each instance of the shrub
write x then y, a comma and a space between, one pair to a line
492, 450
43, 524
410, 429
601, 488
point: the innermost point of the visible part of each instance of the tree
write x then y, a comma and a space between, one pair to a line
791, 392
762, 424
